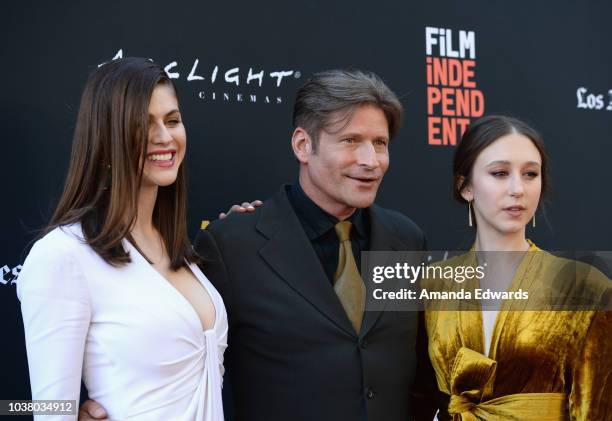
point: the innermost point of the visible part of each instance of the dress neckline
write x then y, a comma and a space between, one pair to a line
197, 274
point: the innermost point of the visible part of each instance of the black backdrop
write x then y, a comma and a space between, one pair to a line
549, 63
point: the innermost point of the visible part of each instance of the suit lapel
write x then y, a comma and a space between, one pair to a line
381, 239
291, 255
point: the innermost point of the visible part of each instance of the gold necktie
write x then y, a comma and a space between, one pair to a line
347, 280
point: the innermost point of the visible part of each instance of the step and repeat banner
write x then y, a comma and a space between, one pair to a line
238, 65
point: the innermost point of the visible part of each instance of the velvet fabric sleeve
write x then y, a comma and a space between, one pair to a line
591, 373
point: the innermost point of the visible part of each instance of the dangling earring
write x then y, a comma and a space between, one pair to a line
470, 214
533, 221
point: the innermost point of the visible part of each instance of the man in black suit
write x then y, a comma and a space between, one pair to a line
300, 346
299, 349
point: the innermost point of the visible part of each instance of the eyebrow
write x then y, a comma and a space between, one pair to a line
176, 110
501, 162
359, 136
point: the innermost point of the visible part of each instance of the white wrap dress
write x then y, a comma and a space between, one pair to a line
133, 338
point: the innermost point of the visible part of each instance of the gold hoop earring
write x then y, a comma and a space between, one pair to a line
470, 214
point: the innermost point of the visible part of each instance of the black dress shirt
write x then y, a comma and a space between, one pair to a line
319, 228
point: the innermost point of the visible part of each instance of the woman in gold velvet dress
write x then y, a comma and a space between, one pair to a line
516, 362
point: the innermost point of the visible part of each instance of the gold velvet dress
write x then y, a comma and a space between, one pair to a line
542, 365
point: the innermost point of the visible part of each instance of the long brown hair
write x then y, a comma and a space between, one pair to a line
105, 172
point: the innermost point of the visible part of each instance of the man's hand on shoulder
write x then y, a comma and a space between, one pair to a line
91, 411
245, 207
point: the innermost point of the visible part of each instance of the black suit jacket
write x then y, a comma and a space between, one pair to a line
293, 354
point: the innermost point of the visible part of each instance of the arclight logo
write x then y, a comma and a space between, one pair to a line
230, 83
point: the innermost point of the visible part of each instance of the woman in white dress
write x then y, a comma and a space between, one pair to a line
111, 294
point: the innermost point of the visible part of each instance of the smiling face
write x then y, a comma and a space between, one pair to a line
505, 185
349, 162
167, 139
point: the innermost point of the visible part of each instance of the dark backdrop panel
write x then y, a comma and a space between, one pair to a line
531, 58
